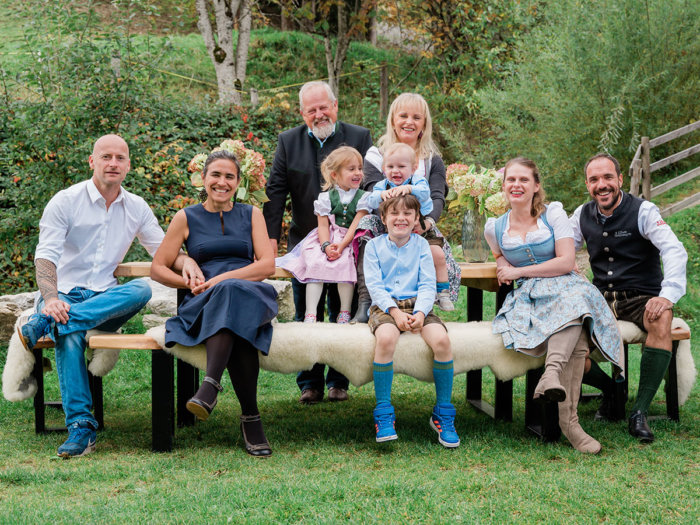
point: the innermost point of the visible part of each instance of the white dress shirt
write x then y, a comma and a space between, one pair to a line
86, 241
653, 228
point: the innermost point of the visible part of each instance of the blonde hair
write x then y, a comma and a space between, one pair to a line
336, 160
425, 147
396, 148
537, 208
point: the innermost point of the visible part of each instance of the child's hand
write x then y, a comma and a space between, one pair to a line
386, 194
399, 190
416, 321
401, 319
332, 252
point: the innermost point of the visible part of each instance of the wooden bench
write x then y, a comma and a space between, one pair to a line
540, 419
477, 277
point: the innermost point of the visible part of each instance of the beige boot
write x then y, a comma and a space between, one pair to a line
559, 348
568, 410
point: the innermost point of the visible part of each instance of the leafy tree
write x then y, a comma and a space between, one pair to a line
596, 76
475, 38
217, 19
337, 21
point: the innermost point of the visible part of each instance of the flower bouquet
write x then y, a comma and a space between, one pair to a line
476, 189
252, 187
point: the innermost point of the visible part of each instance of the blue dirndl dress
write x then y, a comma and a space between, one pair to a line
221, 243
541, 306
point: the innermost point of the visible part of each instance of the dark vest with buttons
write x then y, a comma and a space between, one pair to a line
621, 259
344, 213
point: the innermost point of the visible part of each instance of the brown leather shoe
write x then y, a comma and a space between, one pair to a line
311, 396
337, 394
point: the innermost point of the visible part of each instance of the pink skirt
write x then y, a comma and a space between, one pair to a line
309, 264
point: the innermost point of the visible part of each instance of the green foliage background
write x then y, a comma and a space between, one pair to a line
555, 82
596, 76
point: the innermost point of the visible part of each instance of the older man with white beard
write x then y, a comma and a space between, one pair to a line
296, 171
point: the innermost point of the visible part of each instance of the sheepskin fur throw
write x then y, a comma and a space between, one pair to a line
350, 349
19, 384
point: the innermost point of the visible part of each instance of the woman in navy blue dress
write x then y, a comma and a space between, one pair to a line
231, 310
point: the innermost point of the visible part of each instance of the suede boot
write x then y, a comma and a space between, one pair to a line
568, 409
559, 348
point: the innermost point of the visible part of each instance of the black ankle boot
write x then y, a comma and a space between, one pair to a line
361, 316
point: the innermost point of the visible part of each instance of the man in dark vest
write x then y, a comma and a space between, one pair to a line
627, 240
296, 171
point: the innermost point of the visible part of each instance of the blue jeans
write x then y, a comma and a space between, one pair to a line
106, 311
314, 378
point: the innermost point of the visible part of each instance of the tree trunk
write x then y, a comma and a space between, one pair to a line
230, 68
245, 22
334, 61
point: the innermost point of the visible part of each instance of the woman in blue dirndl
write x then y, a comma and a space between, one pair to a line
231, 311
553, 309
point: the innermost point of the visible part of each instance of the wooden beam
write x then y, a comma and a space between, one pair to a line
469, 270
124, 342
646, 172
133, 269
688, 202
663, 139
661, 188
675, 158
635, 176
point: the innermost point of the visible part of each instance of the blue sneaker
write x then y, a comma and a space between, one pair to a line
443, 422
81, 440
385, 423
36, 327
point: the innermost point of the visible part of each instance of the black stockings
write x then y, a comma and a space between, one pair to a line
224, 349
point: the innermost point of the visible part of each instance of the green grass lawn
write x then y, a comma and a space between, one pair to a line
327, 468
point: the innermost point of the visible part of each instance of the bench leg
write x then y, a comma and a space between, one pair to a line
187, 384
672, 409
162, 394
503, 404
97, 399
542, 419
39, 408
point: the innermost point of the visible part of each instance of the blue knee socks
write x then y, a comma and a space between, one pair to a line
383, 377
443, 374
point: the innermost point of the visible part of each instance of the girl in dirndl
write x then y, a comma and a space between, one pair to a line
326, 255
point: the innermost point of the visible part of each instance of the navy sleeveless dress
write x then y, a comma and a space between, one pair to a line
221, 243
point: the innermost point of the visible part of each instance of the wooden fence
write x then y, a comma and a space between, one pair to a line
641, 169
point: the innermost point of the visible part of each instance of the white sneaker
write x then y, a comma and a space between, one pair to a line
444, 302
309, 318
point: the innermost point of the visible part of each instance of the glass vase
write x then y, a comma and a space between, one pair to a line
474, 245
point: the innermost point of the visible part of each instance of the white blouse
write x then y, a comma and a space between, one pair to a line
556, 217
322, 205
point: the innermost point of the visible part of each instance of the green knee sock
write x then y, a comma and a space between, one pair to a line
595, 377
652, 369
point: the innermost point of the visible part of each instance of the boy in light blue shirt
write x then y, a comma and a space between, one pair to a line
400, 277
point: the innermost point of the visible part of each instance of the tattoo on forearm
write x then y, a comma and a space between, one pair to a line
46, 279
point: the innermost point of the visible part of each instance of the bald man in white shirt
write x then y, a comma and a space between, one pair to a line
84, 233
